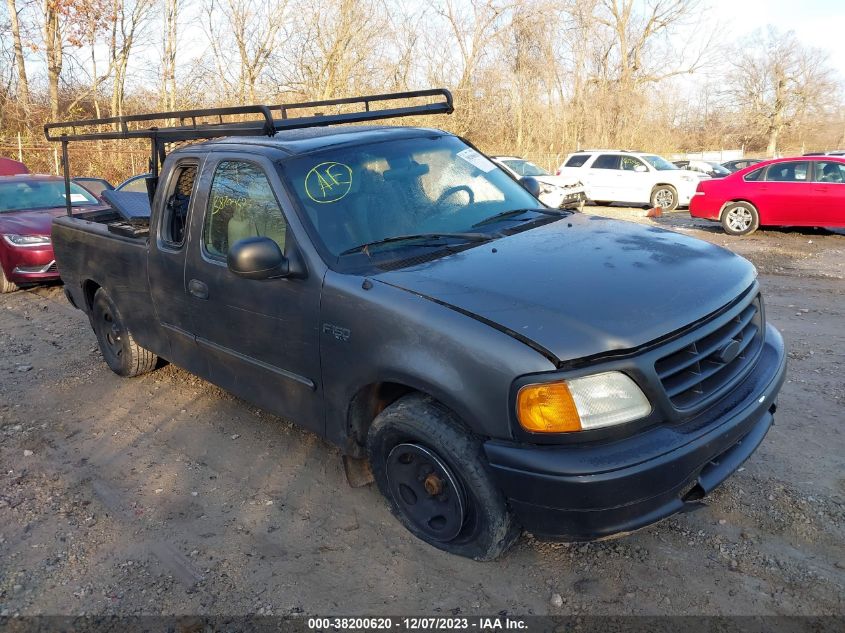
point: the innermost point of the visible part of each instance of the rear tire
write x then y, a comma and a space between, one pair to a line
665, 197
6, 286
435, 478
740, 218
120, 351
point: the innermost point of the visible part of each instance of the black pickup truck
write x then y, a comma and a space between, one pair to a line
501, 365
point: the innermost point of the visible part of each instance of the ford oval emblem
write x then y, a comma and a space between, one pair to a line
728, 352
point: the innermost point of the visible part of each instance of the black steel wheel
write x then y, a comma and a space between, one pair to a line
434, 475
120, 351
426, 490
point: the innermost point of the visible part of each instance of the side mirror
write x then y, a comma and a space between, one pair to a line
640, 168
531, 185
257, 258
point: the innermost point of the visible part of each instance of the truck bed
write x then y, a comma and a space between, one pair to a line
93, 254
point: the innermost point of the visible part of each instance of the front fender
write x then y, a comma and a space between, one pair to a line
386, 334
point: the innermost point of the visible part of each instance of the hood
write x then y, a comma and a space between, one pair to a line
29, 222
567, 182
583, 285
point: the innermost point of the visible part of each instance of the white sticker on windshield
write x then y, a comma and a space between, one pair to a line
76, 197
476, 160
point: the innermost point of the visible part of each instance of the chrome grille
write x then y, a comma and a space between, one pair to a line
720, 356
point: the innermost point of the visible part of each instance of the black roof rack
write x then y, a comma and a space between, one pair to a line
191, 125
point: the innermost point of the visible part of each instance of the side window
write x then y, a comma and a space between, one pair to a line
788, 172
176, 204
606, 161
241, 204
576, 160
755, 175
629, 163
829, 171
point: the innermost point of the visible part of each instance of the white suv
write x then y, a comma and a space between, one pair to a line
634, 177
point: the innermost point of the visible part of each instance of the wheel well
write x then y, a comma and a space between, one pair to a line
663, 184
365, 406
89, 289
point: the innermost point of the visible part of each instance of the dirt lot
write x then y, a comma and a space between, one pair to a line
163, 494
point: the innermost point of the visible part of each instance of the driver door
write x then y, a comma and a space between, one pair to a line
260, 337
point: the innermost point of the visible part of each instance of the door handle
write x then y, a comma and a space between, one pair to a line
198, 289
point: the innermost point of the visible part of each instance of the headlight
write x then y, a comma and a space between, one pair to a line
580, 404
689, 178
26, 240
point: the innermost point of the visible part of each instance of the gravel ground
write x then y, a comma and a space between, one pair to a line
165, 495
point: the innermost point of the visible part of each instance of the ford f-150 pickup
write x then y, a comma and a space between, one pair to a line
501, 365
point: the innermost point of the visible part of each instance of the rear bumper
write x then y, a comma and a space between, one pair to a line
703, 207
614, 492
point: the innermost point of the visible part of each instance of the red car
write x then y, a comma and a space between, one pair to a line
28, 204
805, 191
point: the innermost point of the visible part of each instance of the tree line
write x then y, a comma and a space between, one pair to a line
537, 78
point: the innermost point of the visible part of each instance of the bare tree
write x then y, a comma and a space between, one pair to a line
20, 65
776, 82
251, 27
129, 18
171, 10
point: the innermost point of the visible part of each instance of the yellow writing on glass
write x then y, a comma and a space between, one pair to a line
328, 182
227, 202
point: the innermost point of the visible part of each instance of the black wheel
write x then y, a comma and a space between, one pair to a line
434, 476
665, 197
6, 286
120, 351
740, 218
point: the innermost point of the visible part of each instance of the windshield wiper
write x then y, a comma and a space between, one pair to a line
506, 215
467, 237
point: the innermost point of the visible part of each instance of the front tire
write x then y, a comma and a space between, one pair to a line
740, 218
120, 351
6, 286
435, 478
665, 197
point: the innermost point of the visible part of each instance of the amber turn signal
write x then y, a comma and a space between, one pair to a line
547, 408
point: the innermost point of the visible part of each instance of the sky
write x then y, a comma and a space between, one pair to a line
818, 23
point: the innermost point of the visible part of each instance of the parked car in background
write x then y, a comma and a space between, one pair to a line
28, 204
804, 191
558, 192
135, 183
9, 167
740, 163
703, 167
94, 185
634, 177
835, 152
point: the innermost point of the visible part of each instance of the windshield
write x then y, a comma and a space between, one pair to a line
525, 167
427, 185
27, 195
659, 163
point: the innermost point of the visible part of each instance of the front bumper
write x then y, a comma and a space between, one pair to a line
30, 265
582, 493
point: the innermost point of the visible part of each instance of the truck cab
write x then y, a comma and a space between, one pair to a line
496, 365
